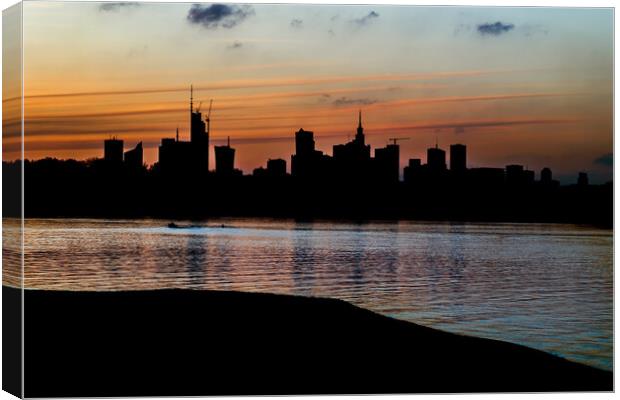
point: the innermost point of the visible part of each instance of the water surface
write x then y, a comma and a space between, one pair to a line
542, 285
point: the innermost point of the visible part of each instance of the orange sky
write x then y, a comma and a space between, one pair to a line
539, 93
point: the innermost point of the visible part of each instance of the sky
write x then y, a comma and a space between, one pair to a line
530, 86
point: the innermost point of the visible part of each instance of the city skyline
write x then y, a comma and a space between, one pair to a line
517, 86
352, 161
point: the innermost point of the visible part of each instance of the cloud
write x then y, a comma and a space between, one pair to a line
606, 160
331, 33
236, 45
366, 19
115, 7
459, 129
262, 83
216, 15
485, 123
495, 29
498, 28
324, 98
345, 101
297, 23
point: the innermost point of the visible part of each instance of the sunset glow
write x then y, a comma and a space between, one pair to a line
535, 89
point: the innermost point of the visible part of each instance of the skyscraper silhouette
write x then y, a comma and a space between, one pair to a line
355, 151
458, 158
352, 160
134, 157
582, 179
199, 136
307, 162
276, 167
187, 160
387, 163
359, 136
113, 151
224, 160
304, 143
436, 159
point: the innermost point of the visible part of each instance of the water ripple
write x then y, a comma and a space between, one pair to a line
543, 285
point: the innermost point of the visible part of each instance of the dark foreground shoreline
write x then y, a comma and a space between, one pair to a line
185, 342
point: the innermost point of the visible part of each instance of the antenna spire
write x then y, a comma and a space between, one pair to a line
191, 98
228, 141
360, 119
177, 133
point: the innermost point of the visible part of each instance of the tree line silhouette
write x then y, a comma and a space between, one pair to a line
95, 188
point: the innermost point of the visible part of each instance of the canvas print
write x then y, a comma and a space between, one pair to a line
289, 199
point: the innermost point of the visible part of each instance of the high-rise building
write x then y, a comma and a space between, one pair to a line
176, 158
224, 160
113, 151
199, 136
304, 143
302, 161
134, 157
359, 136
436, 159
545, 176
187, 159
413, 172
351, 160
387, 163
355, 151
308, 163
276, 167
528, 176
458, 158
582, 179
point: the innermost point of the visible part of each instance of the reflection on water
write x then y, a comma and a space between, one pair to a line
546, 286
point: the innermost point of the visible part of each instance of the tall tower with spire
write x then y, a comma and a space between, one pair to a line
352, 159
359, 137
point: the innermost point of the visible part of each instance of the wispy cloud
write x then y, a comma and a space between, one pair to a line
117, 6
216, 15
494, 29
485, 123
297, 23
365, 20
606, 160
346, 101
462, 99
279, 82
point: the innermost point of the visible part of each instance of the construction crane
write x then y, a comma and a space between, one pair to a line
208, 119
395, 140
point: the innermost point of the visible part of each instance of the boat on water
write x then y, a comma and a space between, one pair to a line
172, 225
